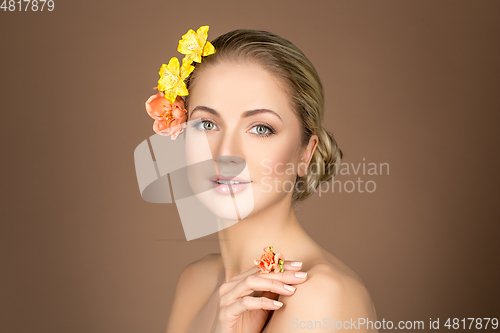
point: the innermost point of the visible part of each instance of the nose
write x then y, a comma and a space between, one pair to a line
230, 165
228, 157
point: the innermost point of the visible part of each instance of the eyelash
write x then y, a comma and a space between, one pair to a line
271, 131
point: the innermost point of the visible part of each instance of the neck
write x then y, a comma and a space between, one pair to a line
277, 225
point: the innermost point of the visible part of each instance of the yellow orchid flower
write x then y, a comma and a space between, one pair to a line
172, 78
195, 45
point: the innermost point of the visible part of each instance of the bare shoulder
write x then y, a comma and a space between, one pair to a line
333, 292
200, 277
194, 286
210, 263
337, 290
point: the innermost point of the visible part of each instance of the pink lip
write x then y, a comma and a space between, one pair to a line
222, 177
227, 188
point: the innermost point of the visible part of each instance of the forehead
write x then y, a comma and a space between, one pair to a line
232, 86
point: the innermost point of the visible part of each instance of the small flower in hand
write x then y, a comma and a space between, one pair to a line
270, 261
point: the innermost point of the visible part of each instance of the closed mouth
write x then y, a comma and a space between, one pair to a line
227, 180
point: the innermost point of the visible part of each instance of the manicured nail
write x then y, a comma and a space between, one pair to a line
301, 275
287, 287
296, 264
277, 303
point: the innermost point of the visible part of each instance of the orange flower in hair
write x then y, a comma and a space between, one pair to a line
170, 119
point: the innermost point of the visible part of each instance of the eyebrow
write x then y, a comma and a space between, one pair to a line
243, 115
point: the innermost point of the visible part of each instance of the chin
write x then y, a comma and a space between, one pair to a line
227, 207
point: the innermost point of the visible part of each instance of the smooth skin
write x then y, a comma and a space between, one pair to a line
226, 292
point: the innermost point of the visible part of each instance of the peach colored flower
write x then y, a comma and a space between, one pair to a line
170, 119
270, 261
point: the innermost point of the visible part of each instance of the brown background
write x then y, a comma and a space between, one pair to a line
410, 83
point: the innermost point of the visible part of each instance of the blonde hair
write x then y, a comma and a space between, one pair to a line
302, 83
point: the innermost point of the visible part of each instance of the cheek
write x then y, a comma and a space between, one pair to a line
274, 163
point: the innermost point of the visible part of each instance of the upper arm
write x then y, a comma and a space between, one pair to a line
190, 292
327, 299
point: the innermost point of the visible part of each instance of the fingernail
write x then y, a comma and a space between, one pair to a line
300, 274
287, 287
278, 303
296, 264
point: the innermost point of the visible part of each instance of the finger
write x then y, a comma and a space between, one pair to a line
254, 283
248, 303
233, 282
290, 277
288, 265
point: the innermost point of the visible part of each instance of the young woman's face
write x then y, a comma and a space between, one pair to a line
247, 118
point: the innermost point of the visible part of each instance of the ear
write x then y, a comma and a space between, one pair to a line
307, 155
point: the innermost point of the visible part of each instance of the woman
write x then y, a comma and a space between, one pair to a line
260, 99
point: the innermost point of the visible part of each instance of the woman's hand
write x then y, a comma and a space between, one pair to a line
240, 312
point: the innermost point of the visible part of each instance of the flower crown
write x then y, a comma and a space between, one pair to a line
167, 106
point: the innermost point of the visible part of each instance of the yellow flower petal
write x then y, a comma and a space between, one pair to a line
193, 44
170, 95
186, 67
169, 75
181, 89
173, 65
208, 49
189, 43
202, 34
